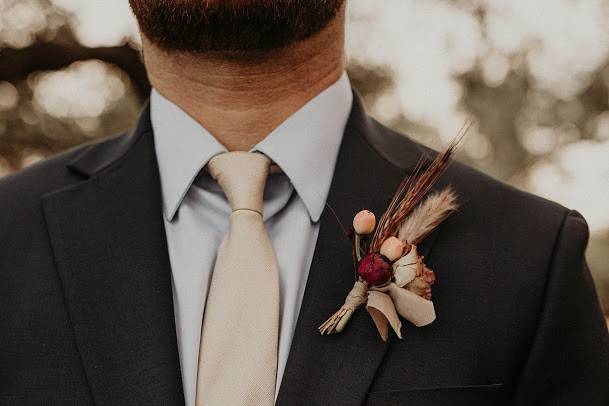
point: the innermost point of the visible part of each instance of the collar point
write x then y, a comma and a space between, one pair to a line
315, 211
170, 212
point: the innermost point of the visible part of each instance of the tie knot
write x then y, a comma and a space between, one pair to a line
242, 176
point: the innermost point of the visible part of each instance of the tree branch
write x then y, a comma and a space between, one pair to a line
54, 56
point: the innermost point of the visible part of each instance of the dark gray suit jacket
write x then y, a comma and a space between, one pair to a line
86, 312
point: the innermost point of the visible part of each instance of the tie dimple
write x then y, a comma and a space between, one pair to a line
242, 176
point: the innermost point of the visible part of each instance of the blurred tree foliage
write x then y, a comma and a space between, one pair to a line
34, 51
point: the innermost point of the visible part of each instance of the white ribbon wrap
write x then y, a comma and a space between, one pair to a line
385, 303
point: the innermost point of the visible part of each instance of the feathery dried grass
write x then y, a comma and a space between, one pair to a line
428, 215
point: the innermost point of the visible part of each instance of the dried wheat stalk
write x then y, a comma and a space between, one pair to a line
412, 189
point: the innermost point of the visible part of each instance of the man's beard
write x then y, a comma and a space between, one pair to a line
231, 25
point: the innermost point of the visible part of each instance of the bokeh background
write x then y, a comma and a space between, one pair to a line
534, 74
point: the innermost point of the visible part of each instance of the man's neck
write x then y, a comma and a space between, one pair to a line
241, 98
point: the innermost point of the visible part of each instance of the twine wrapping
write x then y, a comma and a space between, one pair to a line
337, 322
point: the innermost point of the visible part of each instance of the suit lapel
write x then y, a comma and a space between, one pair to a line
109, 243
339, 369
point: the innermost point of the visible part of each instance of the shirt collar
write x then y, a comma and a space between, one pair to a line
182, 146
305, 146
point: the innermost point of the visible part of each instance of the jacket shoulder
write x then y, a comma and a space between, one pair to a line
21, 191
489, 197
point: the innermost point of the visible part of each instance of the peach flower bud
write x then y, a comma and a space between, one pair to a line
364, 222
392, 248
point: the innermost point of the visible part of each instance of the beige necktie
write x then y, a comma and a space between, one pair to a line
238, 354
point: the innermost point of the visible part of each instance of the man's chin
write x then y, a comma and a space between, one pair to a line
231, 26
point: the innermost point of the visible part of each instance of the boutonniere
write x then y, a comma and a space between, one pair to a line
392, 278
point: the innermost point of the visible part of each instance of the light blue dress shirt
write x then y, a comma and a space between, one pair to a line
304, 147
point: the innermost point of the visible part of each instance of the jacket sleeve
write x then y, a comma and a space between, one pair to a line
568, 363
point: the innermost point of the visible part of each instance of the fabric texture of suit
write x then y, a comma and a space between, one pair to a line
86, 302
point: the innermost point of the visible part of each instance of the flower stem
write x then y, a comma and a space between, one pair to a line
358, 249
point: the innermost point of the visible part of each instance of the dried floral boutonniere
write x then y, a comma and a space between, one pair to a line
392, 279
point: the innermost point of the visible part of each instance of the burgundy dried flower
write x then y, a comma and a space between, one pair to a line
374, 269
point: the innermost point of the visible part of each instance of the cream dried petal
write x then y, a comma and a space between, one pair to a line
405, 269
